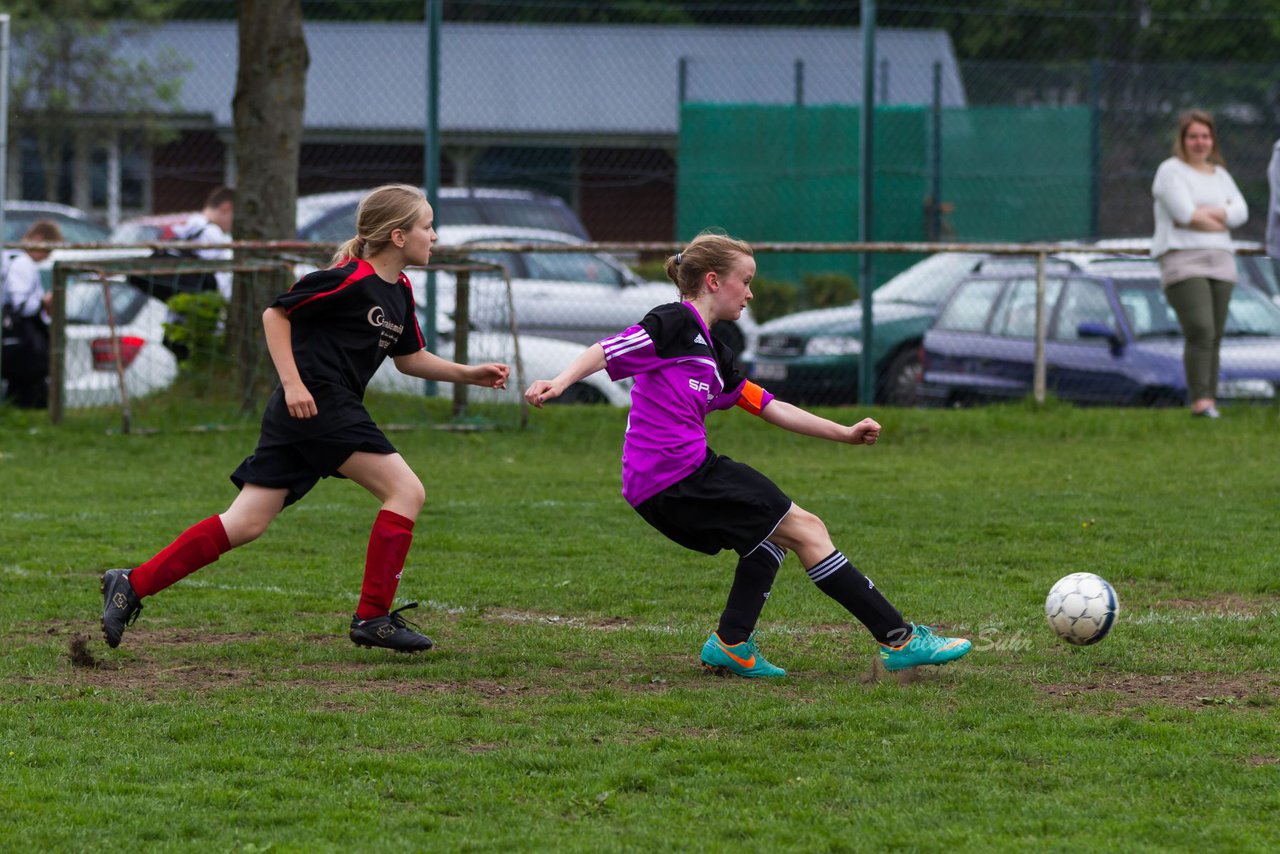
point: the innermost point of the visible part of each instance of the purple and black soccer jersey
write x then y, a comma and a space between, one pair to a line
681, 374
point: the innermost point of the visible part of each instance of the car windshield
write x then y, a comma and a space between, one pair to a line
86, 303
930, 281
558, 266
515, 212
339, 223
1148, 313
74, 230
572, 267
1251, 313
1151, 316
136, 232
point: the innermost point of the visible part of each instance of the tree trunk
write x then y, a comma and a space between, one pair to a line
269, 100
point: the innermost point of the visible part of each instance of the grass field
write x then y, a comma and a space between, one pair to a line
563, 709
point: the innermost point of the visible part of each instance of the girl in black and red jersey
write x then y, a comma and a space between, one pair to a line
327, 336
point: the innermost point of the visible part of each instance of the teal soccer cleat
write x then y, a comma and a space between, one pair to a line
923, 647
740, 659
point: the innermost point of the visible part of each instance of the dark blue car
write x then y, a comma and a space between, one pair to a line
1112, 339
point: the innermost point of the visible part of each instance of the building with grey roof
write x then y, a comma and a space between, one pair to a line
591, 112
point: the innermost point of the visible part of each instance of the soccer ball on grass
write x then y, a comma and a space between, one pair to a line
1081, 608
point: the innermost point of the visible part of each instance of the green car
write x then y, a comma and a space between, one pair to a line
813, 356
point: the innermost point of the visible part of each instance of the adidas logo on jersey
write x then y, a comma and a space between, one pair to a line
698, 339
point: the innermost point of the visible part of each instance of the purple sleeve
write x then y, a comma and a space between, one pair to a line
628, 353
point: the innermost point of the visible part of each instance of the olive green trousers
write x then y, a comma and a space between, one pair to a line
1201, 306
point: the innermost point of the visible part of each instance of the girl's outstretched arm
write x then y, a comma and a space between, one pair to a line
428, 366
585, 364
797, 420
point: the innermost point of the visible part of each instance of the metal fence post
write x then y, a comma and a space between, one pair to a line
461, 337
57, 343
866, 371
431, 156
1038, 380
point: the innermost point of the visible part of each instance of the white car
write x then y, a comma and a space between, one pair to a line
580, 297
90, 377
573, 296
540, 359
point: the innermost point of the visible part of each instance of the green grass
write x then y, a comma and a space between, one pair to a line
563, 708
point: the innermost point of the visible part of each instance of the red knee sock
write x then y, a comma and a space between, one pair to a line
199, 545
388, 548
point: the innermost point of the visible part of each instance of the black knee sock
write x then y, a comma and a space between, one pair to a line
752, 581
838, 578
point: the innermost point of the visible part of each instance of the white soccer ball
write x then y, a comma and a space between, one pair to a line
1081, 608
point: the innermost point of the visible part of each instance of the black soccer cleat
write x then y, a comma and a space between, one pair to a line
390, 632
120, 605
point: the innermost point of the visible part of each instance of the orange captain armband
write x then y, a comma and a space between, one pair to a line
751, 398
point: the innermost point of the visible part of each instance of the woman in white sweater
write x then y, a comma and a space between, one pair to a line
1196, 205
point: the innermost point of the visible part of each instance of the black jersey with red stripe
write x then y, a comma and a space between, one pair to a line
346, 320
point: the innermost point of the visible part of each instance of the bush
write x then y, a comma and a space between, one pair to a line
652, 269
826, 290
772, 298
196, 333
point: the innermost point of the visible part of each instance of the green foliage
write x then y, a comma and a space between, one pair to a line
774, 298
199, 333
652, 269
564, 694
771, 298
827, 290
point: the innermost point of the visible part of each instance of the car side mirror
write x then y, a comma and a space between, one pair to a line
1094, 329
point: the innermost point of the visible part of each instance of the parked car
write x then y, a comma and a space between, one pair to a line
90, 377
813, 356
540, 358
1112, 339
331, 217
77, 226
1257, 270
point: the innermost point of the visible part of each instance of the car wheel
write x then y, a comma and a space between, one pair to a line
729, 333
580, 393
900, 383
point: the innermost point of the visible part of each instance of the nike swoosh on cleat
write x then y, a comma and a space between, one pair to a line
955, 642
745, 662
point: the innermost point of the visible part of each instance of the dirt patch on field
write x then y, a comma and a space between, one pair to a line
1184, 690
1225, 604
156, 663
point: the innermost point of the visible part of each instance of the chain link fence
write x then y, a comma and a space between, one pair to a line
642, 125
141, 341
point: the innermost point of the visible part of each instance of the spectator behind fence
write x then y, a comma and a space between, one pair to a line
25, 359
212, 225
1196, 205
1273, 209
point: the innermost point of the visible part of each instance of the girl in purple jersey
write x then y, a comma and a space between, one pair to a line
707, 502
327, 337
